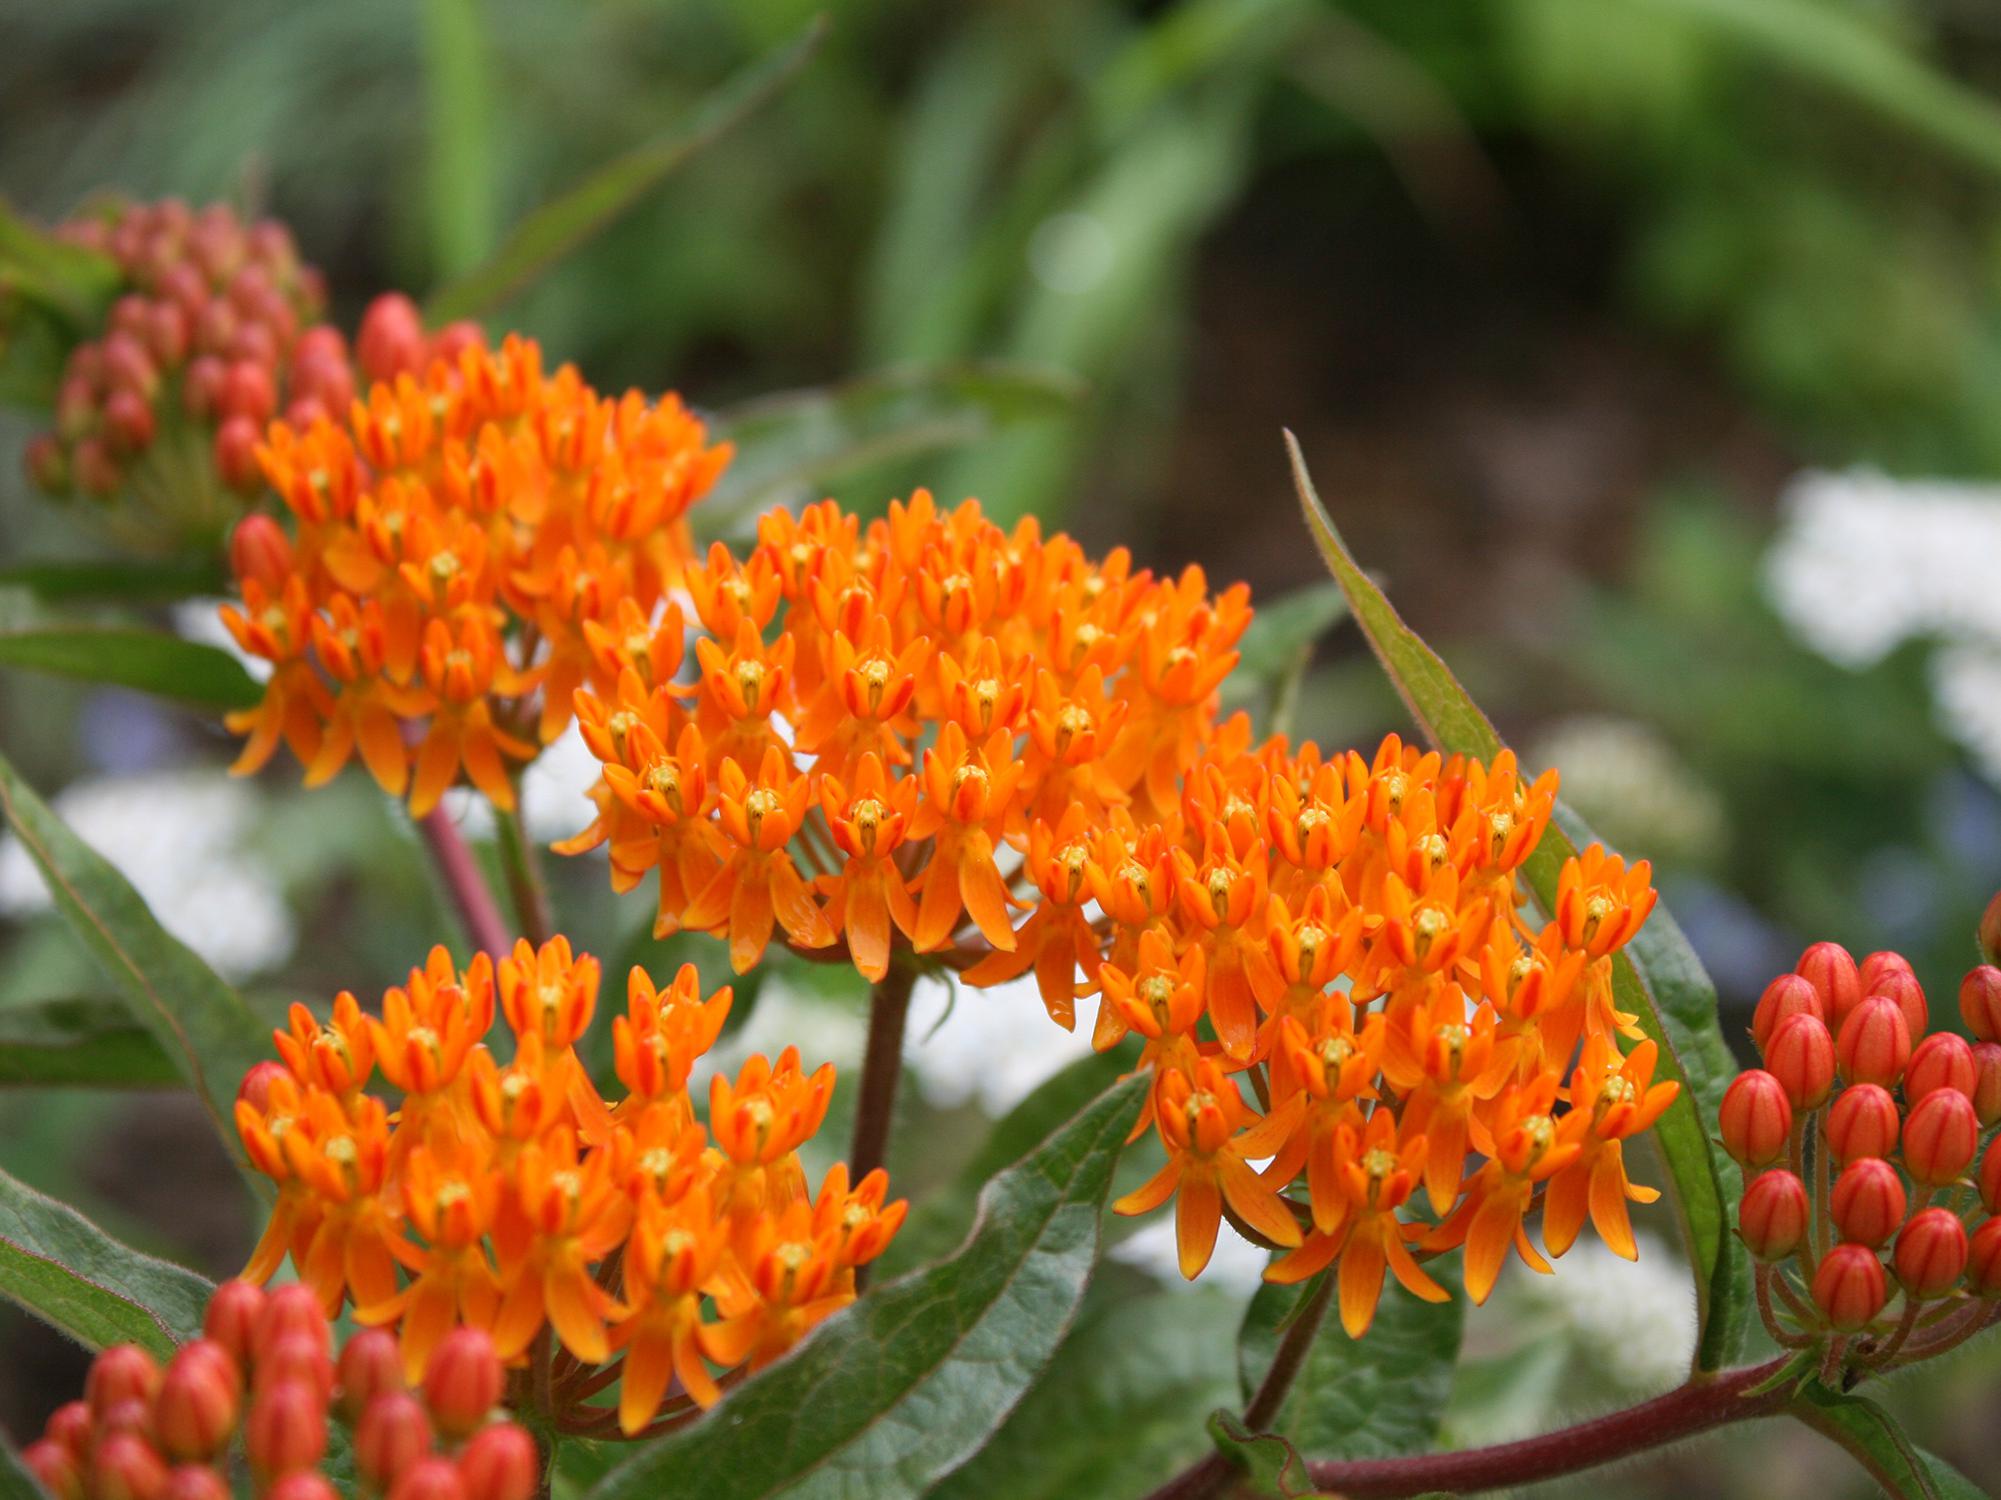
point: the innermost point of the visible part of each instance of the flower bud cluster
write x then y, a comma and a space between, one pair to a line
259, 1389
1893, 1116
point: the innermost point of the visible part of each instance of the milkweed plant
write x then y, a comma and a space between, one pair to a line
1389, 1012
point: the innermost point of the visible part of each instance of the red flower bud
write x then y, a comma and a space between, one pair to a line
128, 422
1874, 1043
55, 1467
1785, 996
1903, 987
166, 333
1931, 1252
195, 1482
1989, 932
215, 327
1849, 1287
287, 1430
201, 386
247, 391
128, 367
455, 338
1832, 972
196, 1408
430, 1479
462, 1381
303, 1484
260, 550
1755, 1119
1863, 1122
500, 1463
1868, 1202
1941, 1061
233, 1313
1876, 965
391, 340
1941, 1133
124, 1372
1983, 1260
293, 1309
255, 344
370, 1365
322, 341
125, 1467
1987, 1083
1801, 1057
70, 1425
130, 1415
96, 468
235, 455
1990, 1177
295, 1356
1772, 1216
1980, 1002
393, 1434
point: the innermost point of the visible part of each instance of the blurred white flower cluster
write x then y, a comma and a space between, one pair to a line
1631, 787
179, 837
1863, 563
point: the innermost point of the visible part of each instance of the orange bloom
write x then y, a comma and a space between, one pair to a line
1620, 1099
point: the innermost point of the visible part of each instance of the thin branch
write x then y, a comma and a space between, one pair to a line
524, 878
460, 872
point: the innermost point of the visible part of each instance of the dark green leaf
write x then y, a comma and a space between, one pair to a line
80, 1044
1284, 627
1271, 1466
67, 281
800, 438
147, 660
1872, 1435
942, 1219
897, 1391
68, 1272
460, 150
16, 1483
198, 1020
117, 578
1375, 1397
1142, 1364
559, 226
1658, 978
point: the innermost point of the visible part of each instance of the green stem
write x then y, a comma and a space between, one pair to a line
882, 1066
524, 878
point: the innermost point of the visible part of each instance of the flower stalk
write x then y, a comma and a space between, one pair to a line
882, 1067
459, 870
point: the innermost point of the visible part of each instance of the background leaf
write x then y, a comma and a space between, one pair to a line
127, 580
461, 180
198, 1020
1375, 1397
68, 1272
1271, 1467
16, 1483
1872, 1435
1674, 999
80, 1044
148, 660
897, 1391
559, 226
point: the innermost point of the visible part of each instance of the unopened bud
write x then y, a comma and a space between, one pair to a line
1941, 1061
1830, 969
1801, 1057
1863, 1122
1983, 1260
1876, 965
235, 454
125, 1467
1989, 932
286, 1431
1987, 1083
232, 1317
391, 339
201, 386
195, 1482
260, 550
288, 1311
247, 391
370, 1364
1788, 995
55, 1467
430, 1479
130, 1415
1755, 1119
1903, 987
96, 469
1874, 1044
1868, 1202
1931, 1253
1980, 1002
295, 1356
393, 1434
1849, 1287
71, 1425
1990, 1177
462, 1381
128, 367
302, 1484
1772, 1216
129, 424
124, 1372
455, 338
500, 1463
1941, 1133
196, 1408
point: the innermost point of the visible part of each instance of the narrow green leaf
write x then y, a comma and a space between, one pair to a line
897, 1391
1375, 1397
16, 1483
1285, 626
120, 579
559, 226
71, 283
1658, 978
1271, 1467
1871, 1434
149, 661
198, 1020
80, 1044
459, 149
74, 1276
803, 438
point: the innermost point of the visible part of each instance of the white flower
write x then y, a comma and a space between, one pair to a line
993, 1046
1634, 1319
1236, 1266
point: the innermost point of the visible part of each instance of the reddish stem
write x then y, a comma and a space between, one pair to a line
460, 872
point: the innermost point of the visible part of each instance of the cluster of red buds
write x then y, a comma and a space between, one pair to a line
265, 1368
1887, 1118
216, 329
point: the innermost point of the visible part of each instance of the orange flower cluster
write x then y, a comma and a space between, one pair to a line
904, 735
469, 549
510, 1196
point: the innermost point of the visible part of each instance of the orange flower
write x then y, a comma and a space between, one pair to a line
671, 1258
869, 893
574, 1215
1529, 1147
1620, 1099
759, 884
1600, 903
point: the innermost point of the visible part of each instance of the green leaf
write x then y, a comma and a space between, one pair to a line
80, 1044
16, 1483
459, 148
559, 226
125, 580
150, 661
897, 1391
72, 284
804, 438
1141, 1363
1285, 626
74, 1276
198, 1020
1658, 978
1871, 1434
1270, 1465
1380, 1396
